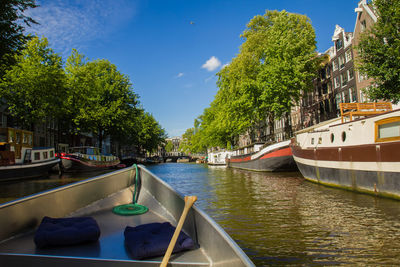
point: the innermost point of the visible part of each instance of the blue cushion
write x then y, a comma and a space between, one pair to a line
66, 231
151, 240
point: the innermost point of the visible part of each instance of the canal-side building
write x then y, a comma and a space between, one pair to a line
342, 61
366, 17
334, 83
176, 141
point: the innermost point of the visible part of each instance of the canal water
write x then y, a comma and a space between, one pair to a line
277, 218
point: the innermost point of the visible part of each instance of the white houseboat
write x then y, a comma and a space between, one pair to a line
361, 154
19, 159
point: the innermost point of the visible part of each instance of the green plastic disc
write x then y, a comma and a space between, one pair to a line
130, 209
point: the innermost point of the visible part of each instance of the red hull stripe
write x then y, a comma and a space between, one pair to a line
240, 160
274, 154
279, 153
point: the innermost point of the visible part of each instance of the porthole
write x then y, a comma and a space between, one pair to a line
319, 140
332, 137
312, 141
343, 136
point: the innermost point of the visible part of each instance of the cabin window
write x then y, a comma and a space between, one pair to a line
18, 138
45, 155
312, 141
332, 137
343, 136
11, 136
51, 154
320, 140
387, 130
37, 155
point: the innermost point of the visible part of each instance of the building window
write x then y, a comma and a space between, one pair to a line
343, 77
338, 100
353, 94
337, 83
335, 65
348, 55
363, 25
341, 62
339, 44
350, 74
362, 77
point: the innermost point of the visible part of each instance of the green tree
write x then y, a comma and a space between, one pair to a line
151, 134
276, 63
12, 26
100, 98
379, 52
34, 87
284, 45
169, 146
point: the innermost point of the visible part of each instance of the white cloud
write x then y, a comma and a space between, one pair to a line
71, 24
180, 74
225, 65
212, 64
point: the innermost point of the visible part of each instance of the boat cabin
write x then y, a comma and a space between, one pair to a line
16, 147
90, 153
250, 149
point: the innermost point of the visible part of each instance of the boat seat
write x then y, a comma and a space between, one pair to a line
66, 231
152, 240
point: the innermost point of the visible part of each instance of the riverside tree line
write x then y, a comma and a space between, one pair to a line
83, 96
276, 65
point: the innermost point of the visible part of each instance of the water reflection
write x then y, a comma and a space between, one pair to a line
280, 219
17, 189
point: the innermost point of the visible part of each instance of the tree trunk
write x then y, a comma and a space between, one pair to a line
100, 137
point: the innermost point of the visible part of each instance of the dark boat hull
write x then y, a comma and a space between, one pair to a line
76, 165
26, 171
371, 168
279, 159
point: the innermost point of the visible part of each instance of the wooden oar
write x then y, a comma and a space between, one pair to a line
189, 200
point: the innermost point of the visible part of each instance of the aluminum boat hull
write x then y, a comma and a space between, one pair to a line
96, 197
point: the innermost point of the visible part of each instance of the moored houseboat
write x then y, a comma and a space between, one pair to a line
263, 157
86, 158
218, 157
359, 151
19, 159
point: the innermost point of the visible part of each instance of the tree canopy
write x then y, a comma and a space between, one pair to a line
12, 26
33, 88
379, 52
99, 96
275, 65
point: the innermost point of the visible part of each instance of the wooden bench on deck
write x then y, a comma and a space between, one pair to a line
363, 109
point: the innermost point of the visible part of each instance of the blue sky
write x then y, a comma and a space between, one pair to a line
171, 50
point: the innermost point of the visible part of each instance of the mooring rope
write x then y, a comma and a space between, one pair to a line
132, 208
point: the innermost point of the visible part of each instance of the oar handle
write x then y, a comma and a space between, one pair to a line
189, 200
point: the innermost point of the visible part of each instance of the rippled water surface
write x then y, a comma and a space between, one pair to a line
277, 218
281, 219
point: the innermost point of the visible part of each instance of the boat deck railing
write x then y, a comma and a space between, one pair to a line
363, 109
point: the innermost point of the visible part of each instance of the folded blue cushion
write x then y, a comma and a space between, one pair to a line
152, 240
66, 231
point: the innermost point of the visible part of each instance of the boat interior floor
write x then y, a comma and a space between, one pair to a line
110, 246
